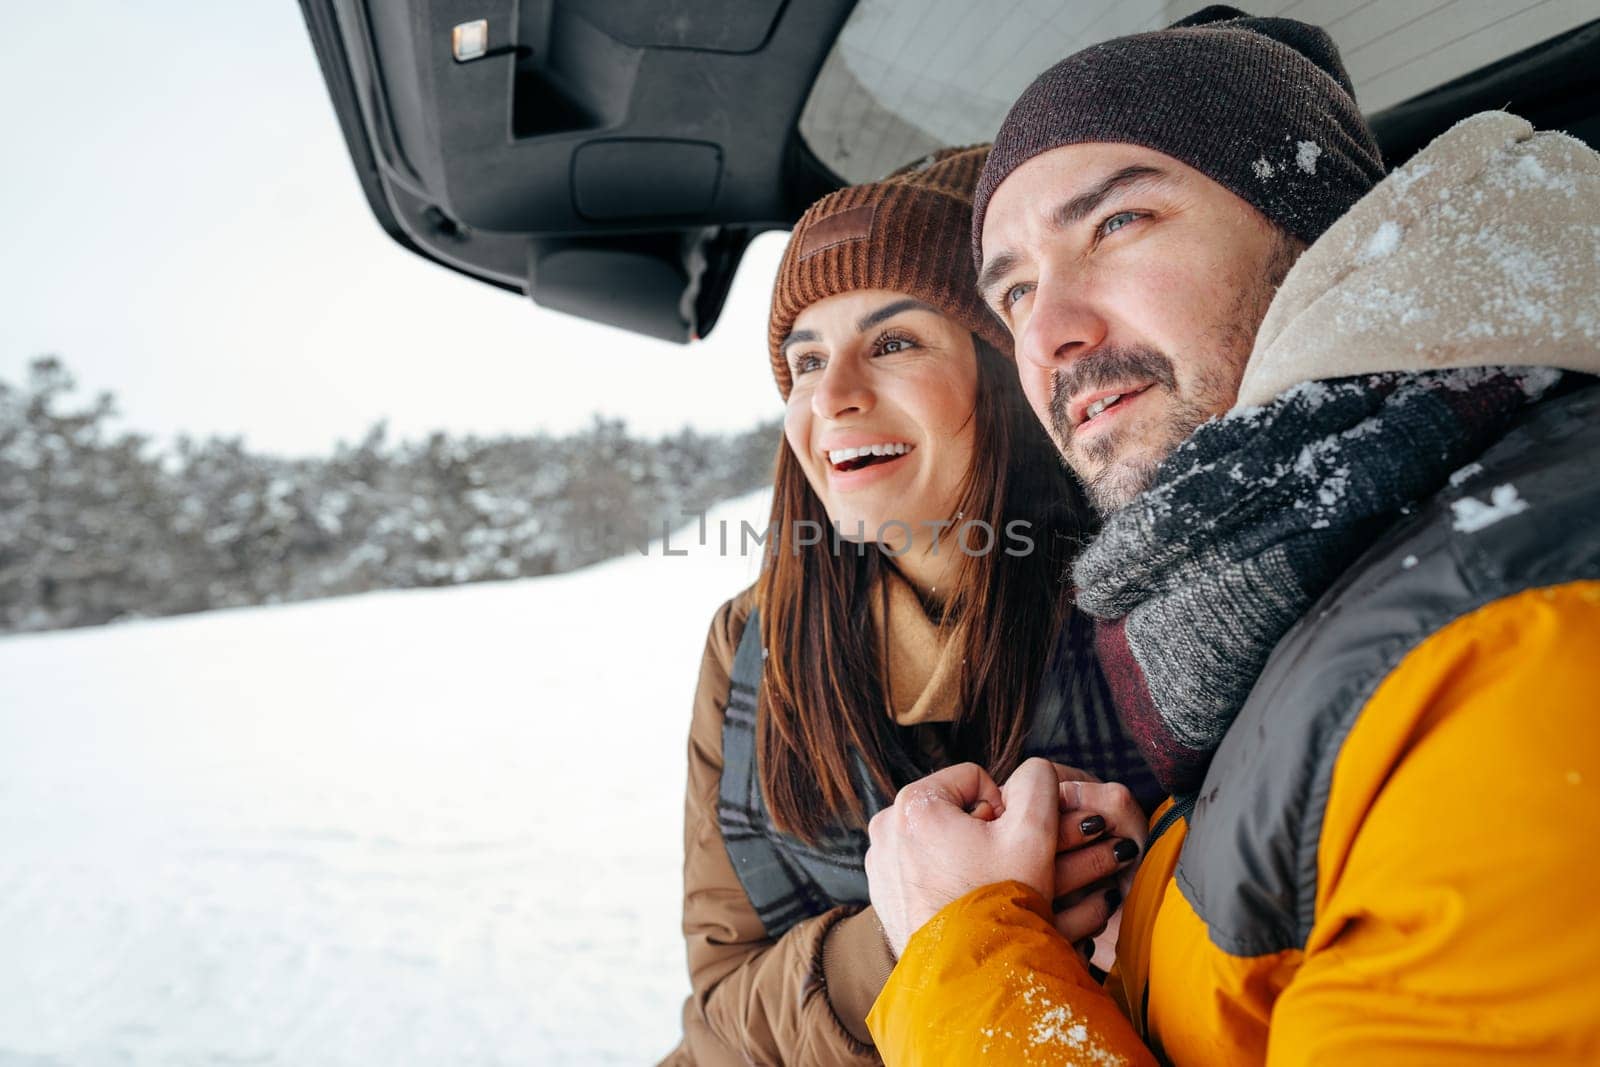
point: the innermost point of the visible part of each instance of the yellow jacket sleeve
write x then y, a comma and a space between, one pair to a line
1457, 869
989, 979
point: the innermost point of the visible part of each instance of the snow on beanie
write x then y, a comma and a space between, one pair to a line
906, 233
1262, 106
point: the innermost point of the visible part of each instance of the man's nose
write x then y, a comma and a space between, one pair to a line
1063, 325
844, 390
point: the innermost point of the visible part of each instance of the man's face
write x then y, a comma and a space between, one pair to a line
1133, 285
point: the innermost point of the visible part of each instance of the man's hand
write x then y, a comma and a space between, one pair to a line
954, 831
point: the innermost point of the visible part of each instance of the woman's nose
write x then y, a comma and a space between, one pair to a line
844, 390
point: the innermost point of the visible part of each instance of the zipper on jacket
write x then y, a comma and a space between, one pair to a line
1182, 808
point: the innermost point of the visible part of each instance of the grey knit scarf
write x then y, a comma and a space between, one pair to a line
1251, 520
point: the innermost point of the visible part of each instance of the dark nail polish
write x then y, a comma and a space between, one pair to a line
1124, 850
1092, 825
1113, 898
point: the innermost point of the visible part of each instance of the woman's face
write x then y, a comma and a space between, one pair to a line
881, 414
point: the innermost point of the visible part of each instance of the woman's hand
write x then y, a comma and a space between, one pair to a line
1072, 774
1101, 837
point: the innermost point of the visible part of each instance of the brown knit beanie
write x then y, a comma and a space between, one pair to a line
907, 233
1262, 106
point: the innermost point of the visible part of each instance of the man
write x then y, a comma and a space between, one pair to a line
1353, 622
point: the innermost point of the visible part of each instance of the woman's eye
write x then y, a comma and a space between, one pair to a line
1117, 222
895, 342
806, 364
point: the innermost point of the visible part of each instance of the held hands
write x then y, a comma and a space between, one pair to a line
955, 830
1101, 838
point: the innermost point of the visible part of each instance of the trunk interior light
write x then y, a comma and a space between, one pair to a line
469, 40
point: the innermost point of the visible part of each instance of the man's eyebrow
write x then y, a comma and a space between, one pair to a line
797, 337
890, 310
994, 270
1076, 209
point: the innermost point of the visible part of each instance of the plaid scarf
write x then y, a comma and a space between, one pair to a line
787, 880
1251, 520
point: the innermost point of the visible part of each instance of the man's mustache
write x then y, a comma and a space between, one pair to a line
1105, 367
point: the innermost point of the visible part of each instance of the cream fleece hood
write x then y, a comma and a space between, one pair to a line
1483, 250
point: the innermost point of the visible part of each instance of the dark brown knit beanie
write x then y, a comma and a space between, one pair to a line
1262, 106
907, 233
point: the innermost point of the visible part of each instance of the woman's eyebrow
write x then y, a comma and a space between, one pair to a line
795, 338
890, 310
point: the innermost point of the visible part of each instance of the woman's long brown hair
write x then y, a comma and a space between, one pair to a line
823, 716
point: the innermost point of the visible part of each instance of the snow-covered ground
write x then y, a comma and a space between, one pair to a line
428, 827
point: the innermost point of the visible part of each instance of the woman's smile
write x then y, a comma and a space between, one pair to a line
852, 468
849, 481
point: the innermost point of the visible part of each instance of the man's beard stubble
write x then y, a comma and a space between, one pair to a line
1213, 391
1109, 482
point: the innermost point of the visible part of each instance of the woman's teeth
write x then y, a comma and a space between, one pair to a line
845, 455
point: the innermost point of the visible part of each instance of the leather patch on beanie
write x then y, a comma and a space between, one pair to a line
852, 224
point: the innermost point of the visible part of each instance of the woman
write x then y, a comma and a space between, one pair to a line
909, 615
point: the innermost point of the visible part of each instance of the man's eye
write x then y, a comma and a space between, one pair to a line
1117, 222
896, 344
1015, 293
806, 364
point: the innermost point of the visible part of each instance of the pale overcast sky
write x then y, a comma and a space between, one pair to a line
186, 230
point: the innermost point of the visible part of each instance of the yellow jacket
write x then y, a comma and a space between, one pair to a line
1393, 859
1454, 920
